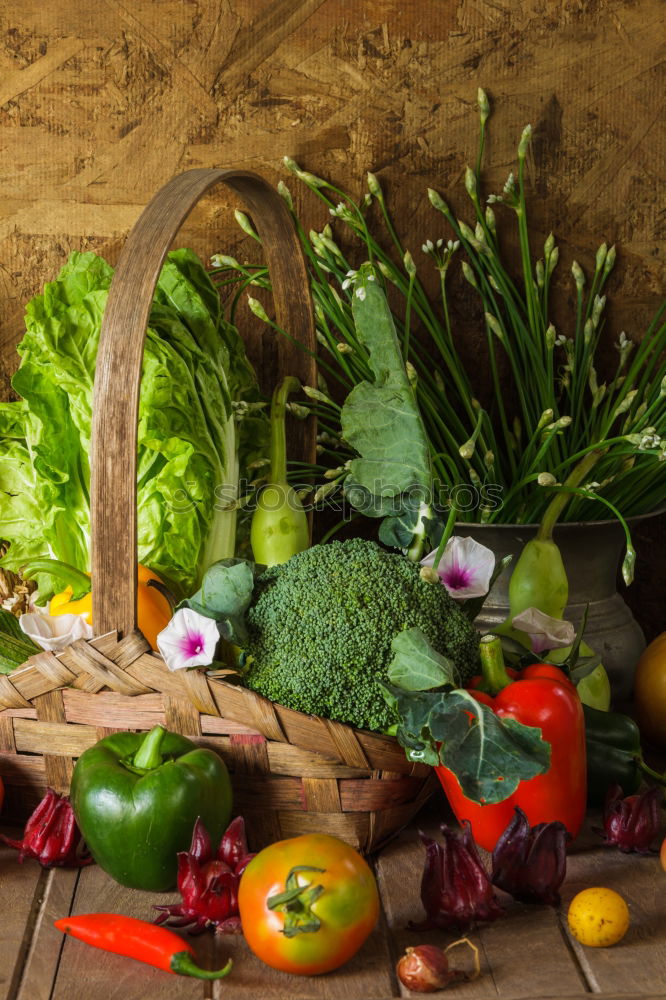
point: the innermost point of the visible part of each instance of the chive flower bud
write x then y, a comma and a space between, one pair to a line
539, 271
545, 418
484, 105
223, 260
285, 194
602, 253
469, 274
598, 308
550, 336
471, 184
626, 403
245, 224
437, 201
410, 266
546, 479
258, 310
490, 219
525, 140
343, 348
317, 394
412, 375
374, 187
609, 262
579, 276
495, 327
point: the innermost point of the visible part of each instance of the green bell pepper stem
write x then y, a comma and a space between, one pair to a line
70, 576
149, 754
183, 964
560, 500
493, 669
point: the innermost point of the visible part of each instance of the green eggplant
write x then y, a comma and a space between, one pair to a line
279, 528
136, 798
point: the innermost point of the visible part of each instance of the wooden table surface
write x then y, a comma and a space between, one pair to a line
527, 953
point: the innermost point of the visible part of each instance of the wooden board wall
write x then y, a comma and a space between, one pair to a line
102, 102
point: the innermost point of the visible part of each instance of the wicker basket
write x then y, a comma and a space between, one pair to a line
292, 773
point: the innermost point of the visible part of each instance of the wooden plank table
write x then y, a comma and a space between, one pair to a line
527, 953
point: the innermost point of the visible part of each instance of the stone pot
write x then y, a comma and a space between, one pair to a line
591, 552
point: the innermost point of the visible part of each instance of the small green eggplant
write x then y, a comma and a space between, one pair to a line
279, 526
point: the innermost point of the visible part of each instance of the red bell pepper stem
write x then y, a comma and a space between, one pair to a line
138, 939
495, 676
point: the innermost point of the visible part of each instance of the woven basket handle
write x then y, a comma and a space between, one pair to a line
119, 359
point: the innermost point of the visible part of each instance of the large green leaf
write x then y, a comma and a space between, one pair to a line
443, 724
416, 666
381, 421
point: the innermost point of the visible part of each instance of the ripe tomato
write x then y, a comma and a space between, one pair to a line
307, 904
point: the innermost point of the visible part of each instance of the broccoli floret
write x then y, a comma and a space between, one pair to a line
321, 625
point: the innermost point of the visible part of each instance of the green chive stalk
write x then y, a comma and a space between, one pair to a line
552, 420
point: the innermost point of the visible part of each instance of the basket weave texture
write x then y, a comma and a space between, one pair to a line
292, 773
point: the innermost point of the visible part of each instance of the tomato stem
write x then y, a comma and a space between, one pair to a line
295, 902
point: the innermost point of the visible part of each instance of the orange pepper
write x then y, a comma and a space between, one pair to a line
153, 609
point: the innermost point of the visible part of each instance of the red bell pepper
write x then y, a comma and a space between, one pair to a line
543, 696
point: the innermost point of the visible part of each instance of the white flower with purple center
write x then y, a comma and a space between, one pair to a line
189, 640
465, 567
544, 632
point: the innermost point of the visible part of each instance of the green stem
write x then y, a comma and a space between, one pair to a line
446, 534
559, 502
69, 575
494, 672
183, 964
278, 431
149, 755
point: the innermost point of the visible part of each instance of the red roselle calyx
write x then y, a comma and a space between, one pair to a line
530, 862
455, 889
632, 823
51, 835
208, 883
425, 968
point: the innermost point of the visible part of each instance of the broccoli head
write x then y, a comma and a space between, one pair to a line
321, 625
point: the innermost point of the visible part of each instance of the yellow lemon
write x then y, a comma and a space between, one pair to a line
598, 917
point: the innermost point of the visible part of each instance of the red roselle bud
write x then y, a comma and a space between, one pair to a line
455, 889
631, 823
208, 884
51, 835
530, 862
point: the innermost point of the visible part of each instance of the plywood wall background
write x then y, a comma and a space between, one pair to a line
102, 102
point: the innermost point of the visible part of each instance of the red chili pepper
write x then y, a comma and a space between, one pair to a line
138, 939
540, 696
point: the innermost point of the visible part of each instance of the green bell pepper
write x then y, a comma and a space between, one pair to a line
613, 747
614, 755
136, 798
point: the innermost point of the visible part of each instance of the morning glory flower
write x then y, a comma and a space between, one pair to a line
465, 567
54, 632
544, 632
189, 640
